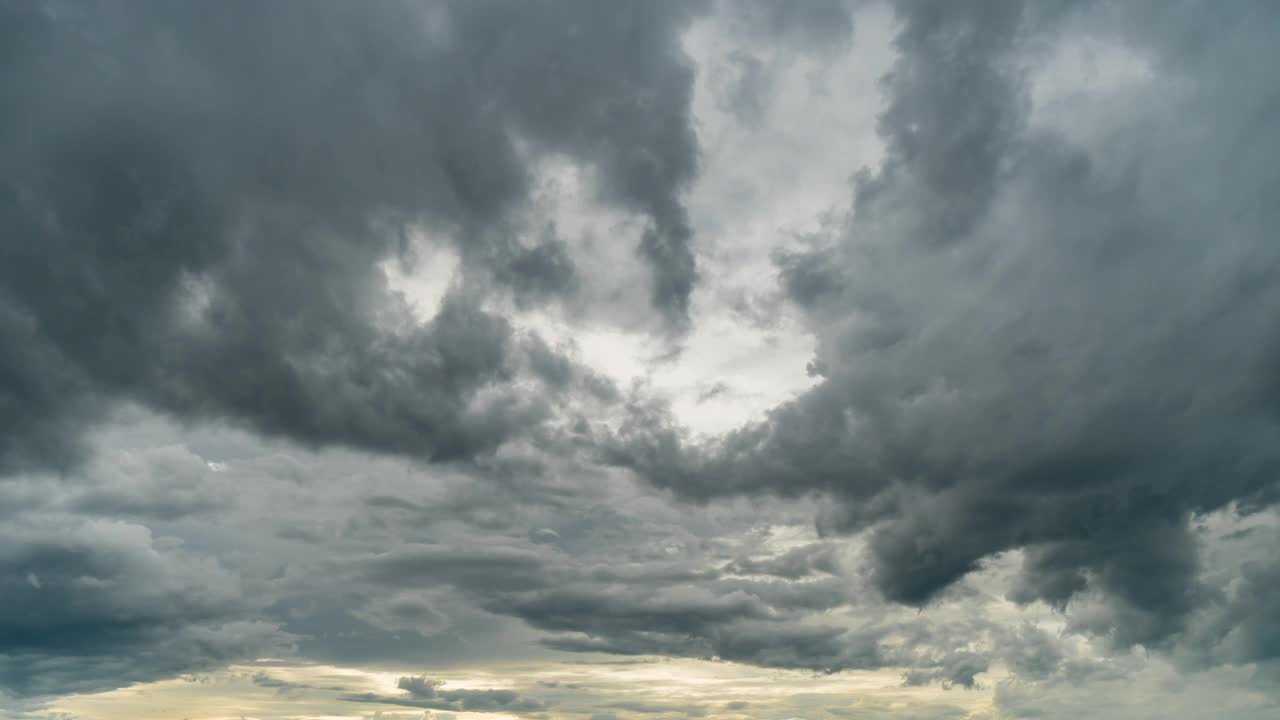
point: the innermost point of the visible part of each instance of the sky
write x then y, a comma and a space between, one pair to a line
617, 360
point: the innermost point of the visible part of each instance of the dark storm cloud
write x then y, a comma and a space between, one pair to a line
196, 199
1059, 338
90, 606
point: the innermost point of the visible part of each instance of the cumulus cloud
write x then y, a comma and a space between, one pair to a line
1033, 332
1037, 439
199, 204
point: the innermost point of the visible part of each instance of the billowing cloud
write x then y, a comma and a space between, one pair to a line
627, 360
199, 204
1041, 332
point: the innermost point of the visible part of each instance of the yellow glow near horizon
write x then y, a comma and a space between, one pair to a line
573, 689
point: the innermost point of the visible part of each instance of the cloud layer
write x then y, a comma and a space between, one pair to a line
375, 339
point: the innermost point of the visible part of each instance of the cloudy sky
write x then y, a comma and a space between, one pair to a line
625, 360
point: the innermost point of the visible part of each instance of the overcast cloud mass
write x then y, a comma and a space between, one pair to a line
613, 360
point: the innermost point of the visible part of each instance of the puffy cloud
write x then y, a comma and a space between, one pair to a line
1041, 331
200, 202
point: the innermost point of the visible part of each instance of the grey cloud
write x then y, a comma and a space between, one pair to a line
630, 119
154, 484
1032, 653
159, 484
958, 669
197, 201
419, 687
675, 609
635, 576
497, 568
1056, 338
809, 24
793, 564
953, 112
807, 277
1238, 627
745, 87
1251, 635
266, 680
430, 694
543, 536
640, 609
774, 34
1024, 341
262, 679
816, 647
602, 597
1153, 692
399, 612
353, 626
89, 606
